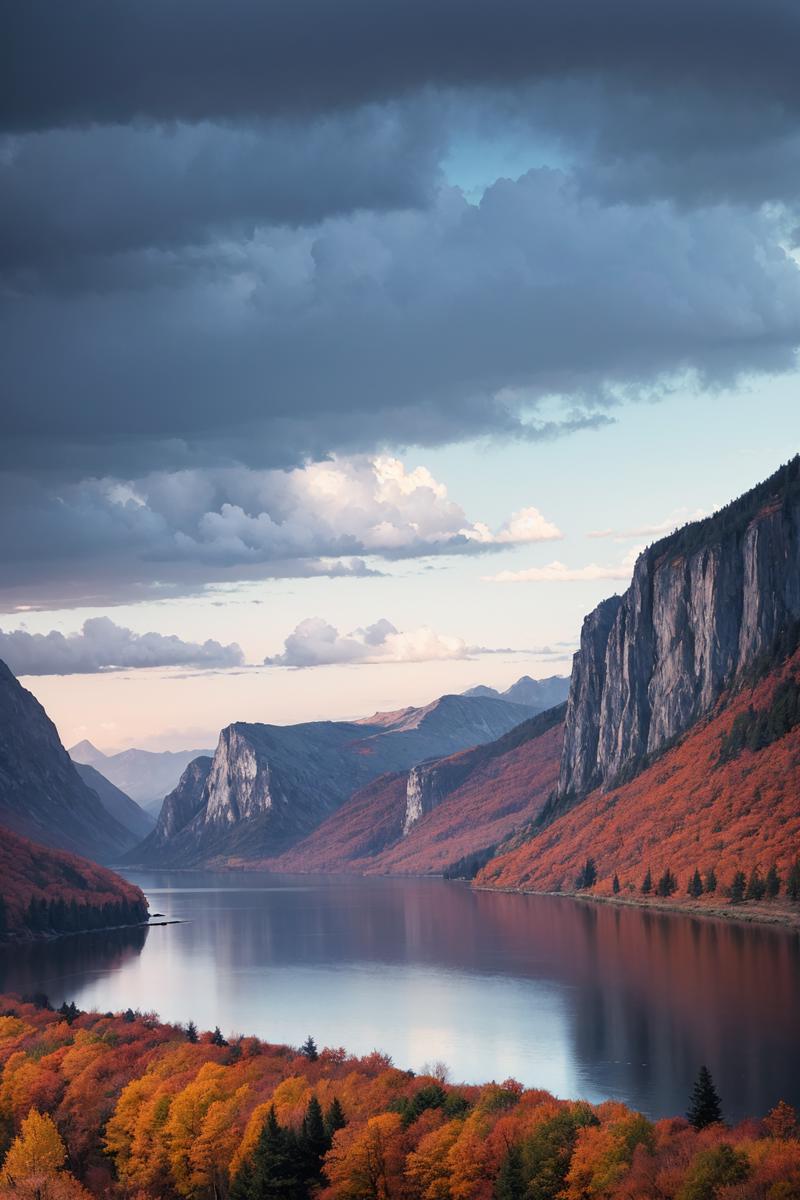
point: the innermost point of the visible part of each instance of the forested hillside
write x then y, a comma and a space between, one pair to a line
131, 1107
714, 819
45, 891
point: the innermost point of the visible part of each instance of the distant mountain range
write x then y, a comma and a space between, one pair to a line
268, 786
536, 694
144, 775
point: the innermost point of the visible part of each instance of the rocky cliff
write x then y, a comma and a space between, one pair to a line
702, 606
42, 796
268, 786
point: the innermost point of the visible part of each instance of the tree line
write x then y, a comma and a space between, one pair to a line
742, 887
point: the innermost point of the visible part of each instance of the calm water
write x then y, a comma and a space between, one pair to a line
584, 1000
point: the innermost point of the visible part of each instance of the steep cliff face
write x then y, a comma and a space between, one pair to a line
182, 804
702, 606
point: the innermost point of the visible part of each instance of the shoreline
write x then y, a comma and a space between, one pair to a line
767, 913
23, 938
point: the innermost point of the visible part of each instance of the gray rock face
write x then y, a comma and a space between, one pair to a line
703, 604
183, 803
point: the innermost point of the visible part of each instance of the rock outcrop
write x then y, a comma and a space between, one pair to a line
703, 605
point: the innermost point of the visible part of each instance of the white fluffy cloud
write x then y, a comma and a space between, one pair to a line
316, 643
102, 645
177, 531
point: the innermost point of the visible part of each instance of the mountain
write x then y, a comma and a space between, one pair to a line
268, 786
681, 742
42, 796
442, 814
710, 802
144, 775
45, 891
702, 606
121, 807
536, 694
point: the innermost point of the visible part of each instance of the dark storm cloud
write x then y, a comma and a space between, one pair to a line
113, 60
402, 327
68, 195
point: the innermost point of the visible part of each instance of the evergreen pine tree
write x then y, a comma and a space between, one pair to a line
667, 884
755, 886
309, 1049
704, 1104
334, 1119
510, 1182
242, 1184
711, 880
587, 876
772, 883
191, 1033
615, 884
314, 1142
277, 1172
738, 887
695, 887
647, 883
216, 1038
793, 884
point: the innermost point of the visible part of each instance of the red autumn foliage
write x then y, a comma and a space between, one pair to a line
29, 872
687, 811
130, 1108
500, 793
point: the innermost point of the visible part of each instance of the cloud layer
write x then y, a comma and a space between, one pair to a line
102, 645
317, 643
234, 243
105, 540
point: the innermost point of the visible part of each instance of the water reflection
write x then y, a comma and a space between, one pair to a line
583, 999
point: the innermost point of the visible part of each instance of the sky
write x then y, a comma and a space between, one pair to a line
351, 353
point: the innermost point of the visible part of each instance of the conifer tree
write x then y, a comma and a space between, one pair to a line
647, 883
309, 1049
793, 884
615, 884
755, 886
667, 884
587, 876
711, 880
216, 1038
314, 1142
510, 1182
695, 886
276, 1171
191, 1033
334, 1118
772, 883
738, 886
704, 1104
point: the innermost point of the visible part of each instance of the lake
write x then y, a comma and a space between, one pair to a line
585, 1000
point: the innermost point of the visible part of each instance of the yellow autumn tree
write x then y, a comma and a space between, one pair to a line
33, 1166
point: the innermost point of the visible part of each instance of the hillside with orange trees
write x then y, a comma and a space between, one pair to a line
122, 1105
721, 803
45, 891
489, 792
